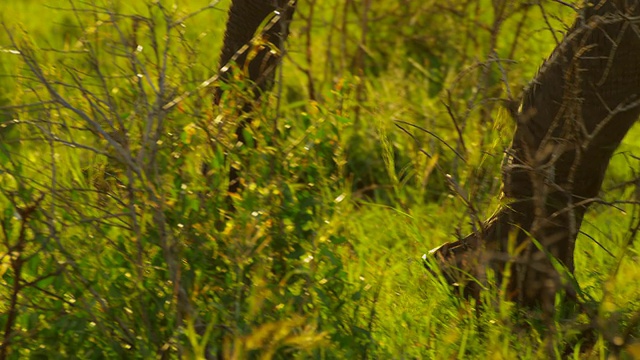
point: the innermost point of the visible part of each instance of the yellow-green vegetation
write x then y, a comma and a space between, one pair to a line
118, 238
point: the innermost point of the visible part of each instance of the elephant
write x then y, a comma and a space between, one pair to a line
257, 61
245, 17
572, 117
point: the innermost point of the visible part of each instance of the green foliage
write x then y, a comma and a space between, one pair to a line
119, 238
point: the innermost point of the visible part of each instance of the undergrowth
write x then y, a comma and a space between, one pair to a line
382, 139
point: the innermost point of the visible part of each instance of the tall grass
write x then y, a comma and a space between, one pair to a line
119, 239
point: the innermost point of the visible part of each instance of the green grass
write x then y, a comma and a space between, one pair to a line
140, 257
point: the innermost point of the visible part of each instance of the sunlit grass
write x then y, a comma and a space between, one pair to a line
322, 256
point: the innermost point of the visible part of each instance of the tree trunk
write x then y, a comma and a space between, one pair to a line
572, 117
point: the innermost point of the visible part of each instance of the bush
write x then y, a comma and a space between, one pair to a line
120, 240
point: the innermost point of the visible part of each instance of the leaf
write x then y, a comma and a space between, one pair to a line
46, 281
33, 264
5, 264
634, 350
343, 120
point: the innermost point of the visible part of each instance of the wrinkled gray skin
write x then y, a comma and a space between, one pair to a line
245, 17
573, 116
